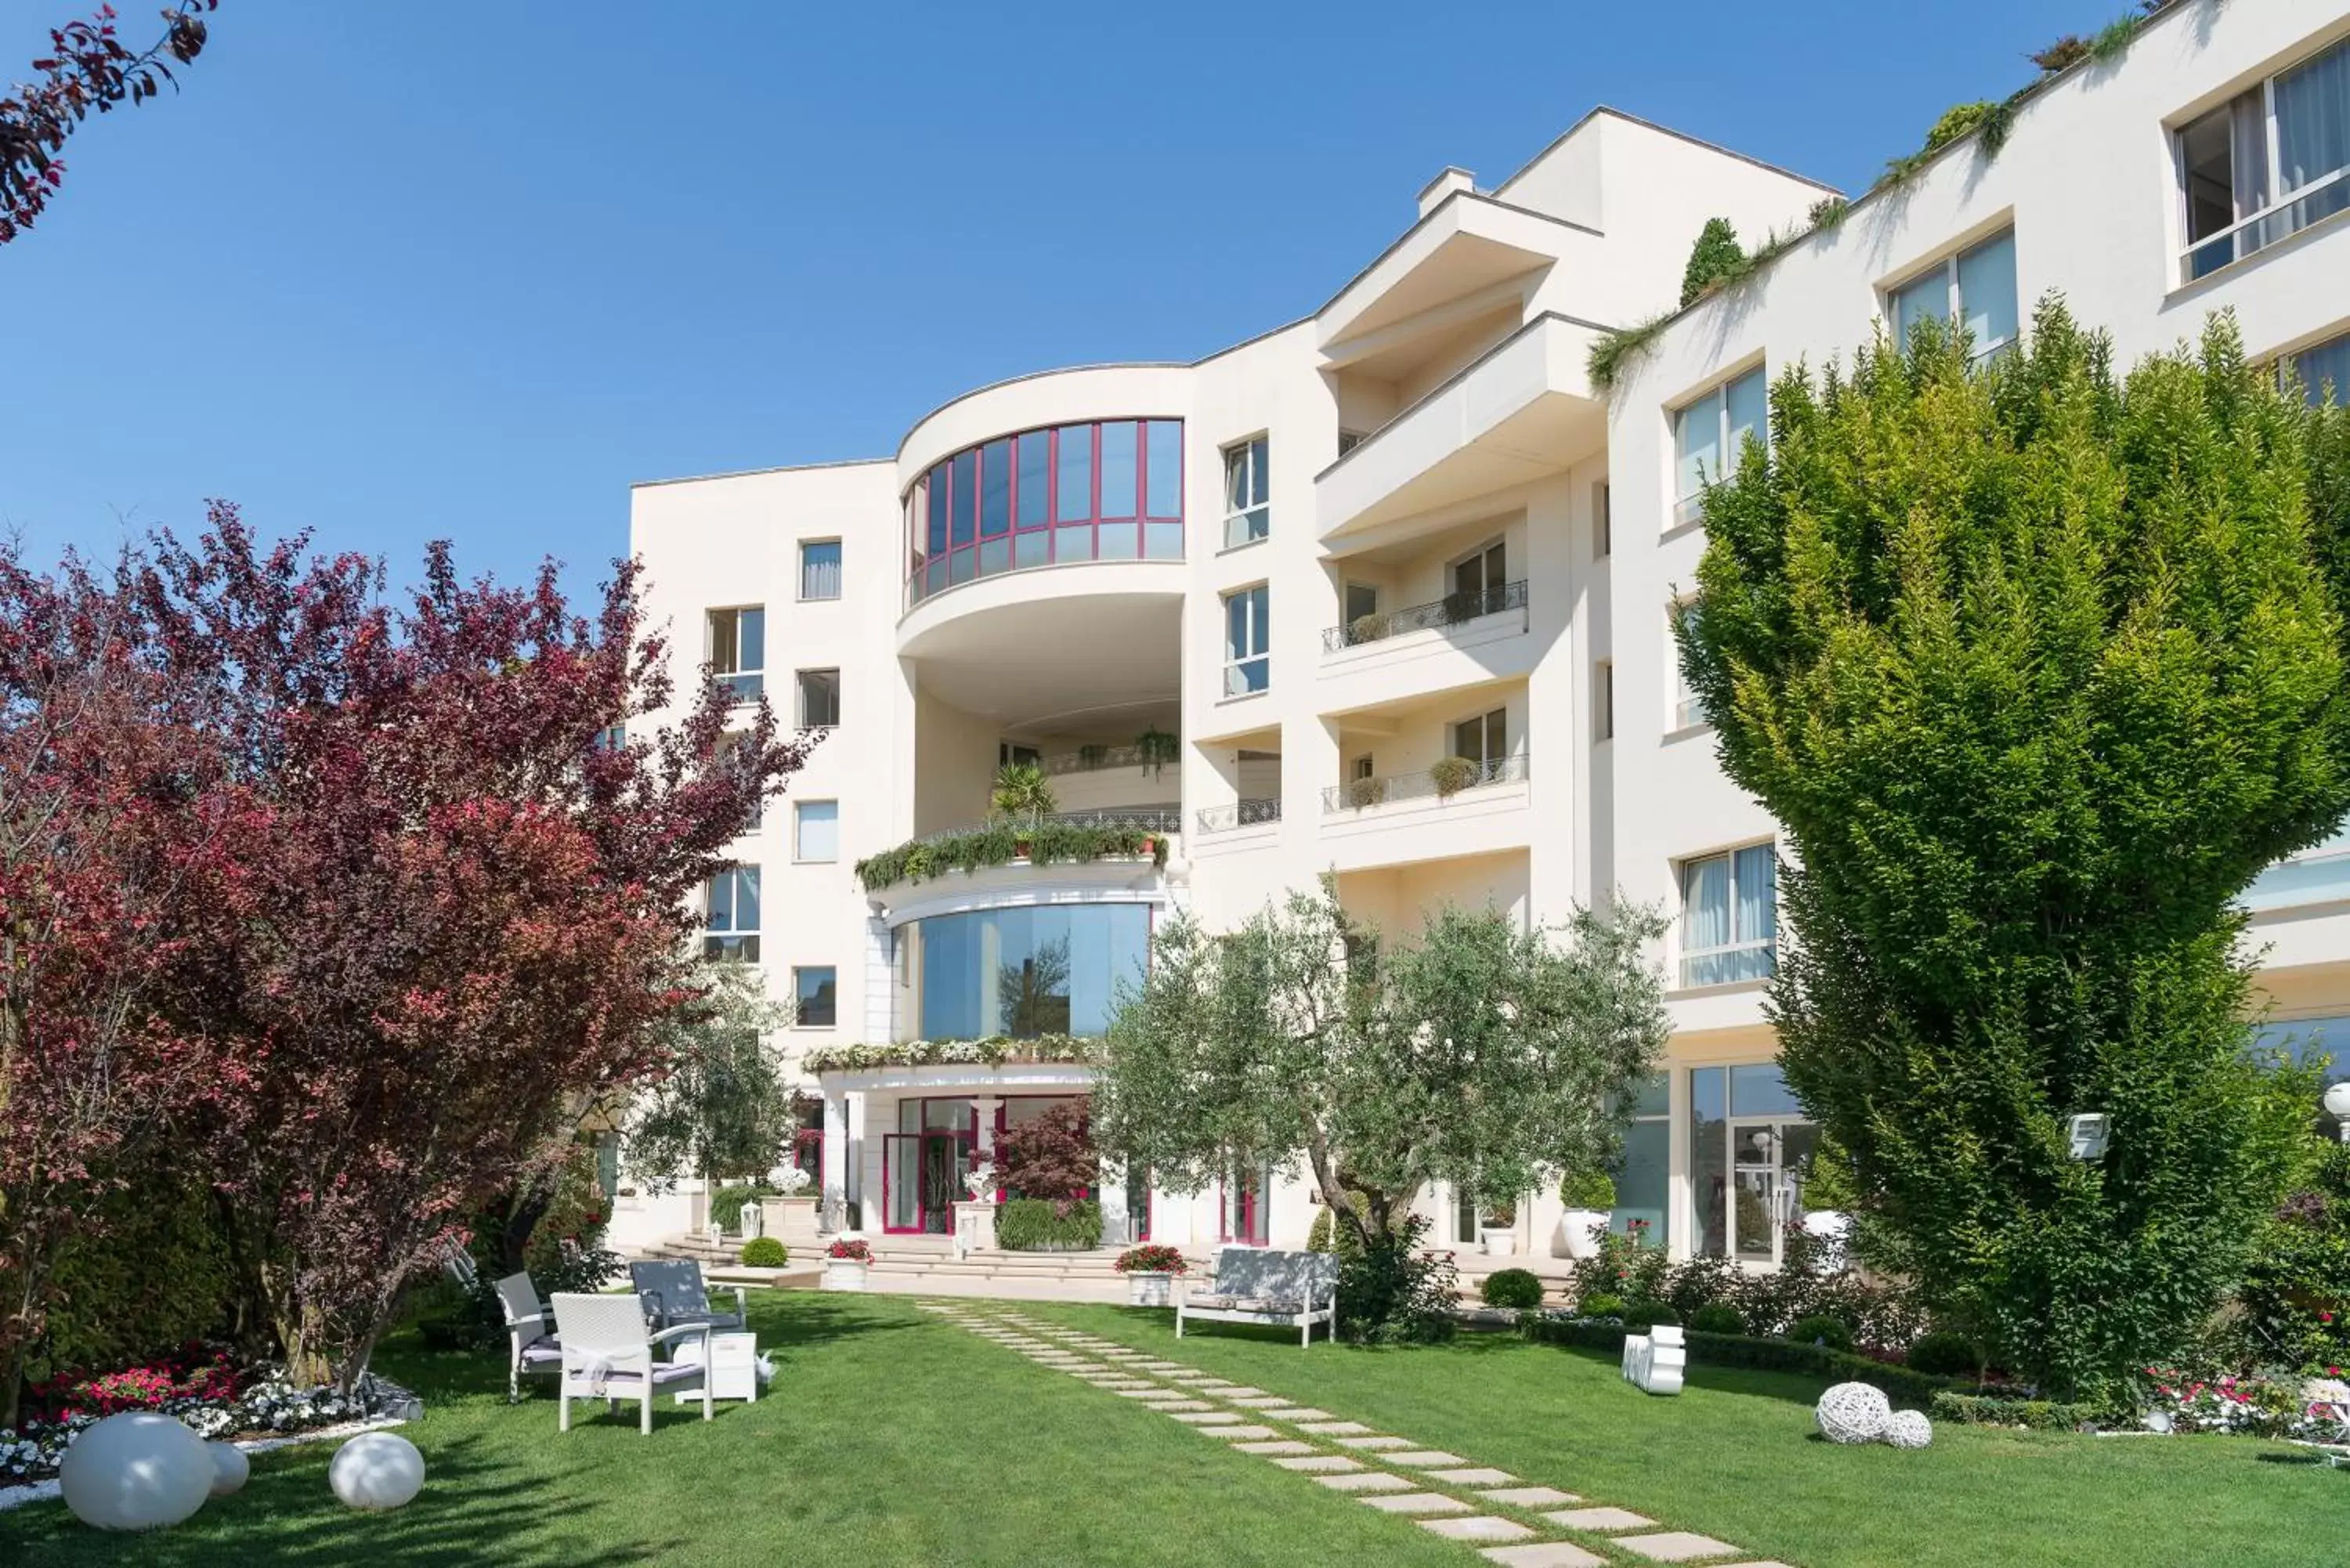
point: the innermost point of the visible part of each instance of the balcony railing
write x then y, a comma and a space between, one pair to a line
1355, 794
1452, 610
1094, 759
1167, 817
1240, 813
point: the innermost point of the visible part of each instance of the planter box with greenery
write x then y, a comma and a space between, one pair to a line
1040, 1225
1150, 1271
1002, 843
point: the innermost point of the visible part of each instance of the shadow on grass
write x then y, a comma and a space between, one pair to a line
475, 1508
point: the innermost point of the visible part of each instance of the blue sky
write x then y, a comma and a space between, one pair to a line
441, 270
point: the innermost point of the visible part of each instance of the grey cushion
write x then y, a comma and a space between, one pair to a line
677, 1284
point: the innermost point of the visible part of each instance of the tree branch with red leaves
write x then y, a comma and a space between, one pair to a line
88, 70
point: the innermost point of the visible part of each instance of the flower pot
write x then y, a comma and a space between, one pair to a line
1579, 1231
844, 1274
1500, 1242
1148, 1289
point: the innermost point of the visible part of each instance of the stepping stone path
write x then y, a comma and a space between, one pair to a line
1505, 1522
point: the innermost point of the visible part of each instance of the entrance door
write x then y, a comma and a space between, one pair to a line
922, 1176
943, 1174
1767, 1162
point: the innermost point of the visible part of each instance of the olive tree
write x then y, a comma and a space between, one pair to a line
1482, 1053
2037, 668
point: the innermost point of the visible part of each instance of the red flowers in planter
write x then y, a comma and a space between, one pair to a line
1150, 1259
850, 1251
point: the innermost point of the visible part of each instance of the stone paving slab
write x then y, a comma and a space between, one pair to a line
1238, 1431
1334, 1428
1294, 1413
1157, 1395
1676, 1546
1281, 1446
1231, 1390
1429, 1460
1600, 1519
1415, 1502
1318, 1464
1252, 1400
1530, 1497
1179, 1407
1366, 1481
1542, 1555
1477, 1527
1471, 1475
1206, 1415
1374, 1443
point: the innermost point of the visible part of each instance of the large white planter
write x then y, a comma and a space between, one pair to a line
975, 1221
1579, 1231
844, 1274
1148, 1288
1499, 1243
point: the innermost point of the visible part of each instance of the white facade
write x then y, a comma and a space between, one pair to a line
1481, 467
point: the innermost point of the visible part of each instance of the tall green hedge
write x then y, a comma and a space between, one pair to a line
1034, 1225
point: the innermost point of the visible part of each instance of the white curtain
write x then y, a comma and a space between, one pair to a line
1757, 894
1705, 903
1987, 293
1749, 402
2312, 111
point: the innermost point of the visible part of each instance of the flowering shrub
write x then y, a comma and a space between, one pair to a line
850, 1249
2251, 1406
993, 1052
1152, 1259
207, 1398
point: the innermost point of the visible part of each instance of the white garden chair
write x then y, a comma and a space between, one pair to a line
531, 1345
608, 1354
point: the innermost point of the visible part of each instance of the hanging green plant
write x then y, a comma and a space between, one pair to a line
1091, 756
1157, 748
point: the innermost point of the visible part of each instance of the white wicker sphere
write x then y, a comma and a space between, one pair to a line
1908, 1429
137, 1470
376, 1470
229, 1468
1853, 1413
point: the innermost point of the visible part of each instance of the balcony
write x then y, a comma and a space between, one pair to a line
1240, 813
1077, 838
1356, 795
1451, 612
1523, 410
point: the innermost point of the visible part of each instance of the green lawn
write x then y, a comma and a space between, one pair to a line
891, 1438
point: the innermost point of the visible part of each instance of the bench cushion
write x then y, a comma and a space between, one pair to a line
1257, 1279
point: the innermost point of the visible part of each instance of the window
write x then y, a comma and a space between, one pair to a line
730, 916
819, 699
811, 992
1349, 440
1022, 971
1730, 917
1688, 708
1975, 288
2267, 164
728, 744
1485, 740
1361, 766
1104, 491
819, 568
1247, 667
738, 650
816, 830
1362, 599
1602, 700
1602, 522
1247, 518
1012, 754
1480, 581
1643, 1167
1709, 440
612, 738
2322, 371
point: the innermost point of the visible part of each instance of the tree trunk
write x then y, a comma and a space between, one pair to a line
523, 1209
1326, 1176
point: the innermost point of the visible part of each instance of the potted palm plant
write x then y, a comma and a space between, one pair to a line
1023, 797
1150, 1272
846, 1262
1589, 1197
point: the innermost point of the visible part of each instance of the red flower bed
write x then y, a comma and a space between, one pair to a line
1150, 1259
195, 1371
850, 1251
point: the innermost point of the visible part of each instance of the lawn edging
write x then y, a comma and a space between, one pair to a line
1744, 1351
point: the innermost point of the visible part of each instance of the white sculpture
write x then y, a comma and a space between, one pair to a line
137, 1470
1853, 1413
376, 1470
229, 1468
1908, 1429
1654, 1361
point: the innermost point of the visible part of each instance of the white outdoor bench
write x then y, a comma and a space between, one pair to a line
1253, 1284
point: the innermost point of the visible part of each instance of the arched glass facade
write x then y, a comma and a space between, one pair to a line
1111, 490
1024, 972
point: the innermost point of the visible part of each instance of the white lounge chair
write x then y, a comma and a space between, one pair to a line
531, 1345
608, 1354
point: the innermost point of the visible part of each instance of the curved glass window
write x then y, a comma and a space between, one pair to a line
1109, 491
1021, 973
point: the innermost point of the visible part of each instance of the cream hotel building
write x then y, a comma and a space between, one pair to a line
1242, 605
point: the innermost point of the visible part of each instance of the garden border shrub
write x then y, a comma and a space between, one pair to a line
1744, 1351
1039, 1225
1519, 1288
764, 1252
1990, 1410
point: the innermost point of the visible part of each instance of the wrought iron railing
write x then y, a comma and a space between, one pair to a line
1240, 813
1355, 794
1452, 610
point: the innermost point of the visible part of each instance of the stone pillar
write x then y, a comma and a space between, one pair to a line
987, 1105
833, 1214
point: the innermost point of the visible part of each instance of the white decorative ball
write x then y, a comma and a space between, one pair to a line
1853, 1413
1908, 1429
376, 1470
137, 1470
229, 1468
